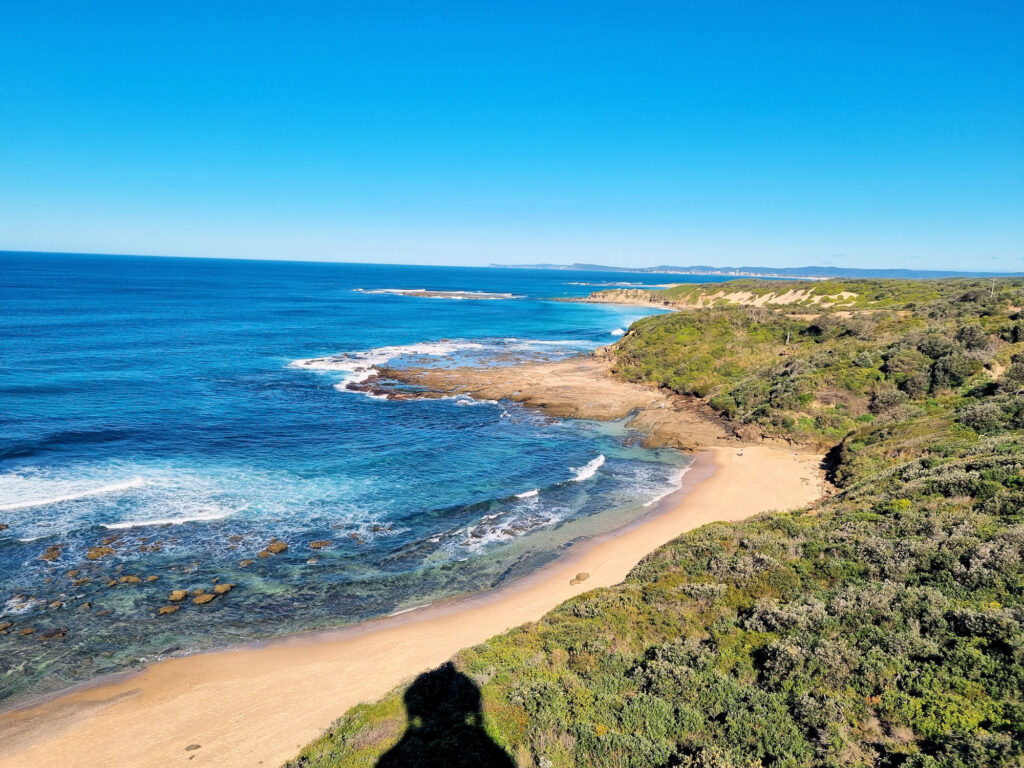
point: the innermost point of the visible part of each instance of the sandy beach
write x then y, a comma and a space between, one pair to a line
258, 706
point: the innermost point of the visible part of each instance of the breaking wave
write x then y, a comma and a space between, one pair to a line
360, 366
71, 494
588, 470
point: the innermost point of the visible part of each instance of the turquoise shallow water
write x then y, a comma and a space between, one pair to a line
161, 406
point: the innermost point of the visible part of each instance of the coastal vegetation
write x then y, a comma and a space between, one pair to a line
883, 626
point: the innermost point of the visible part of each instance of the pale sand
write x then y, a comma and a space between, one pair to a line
258, 706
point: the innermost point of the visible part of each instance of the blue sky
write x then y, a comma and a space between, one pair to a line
853, 134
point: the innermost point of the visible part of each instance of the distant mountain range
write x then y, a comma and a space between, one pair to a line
807, 273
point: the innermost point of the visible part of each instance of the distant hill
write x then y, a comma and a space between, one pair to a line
792, 272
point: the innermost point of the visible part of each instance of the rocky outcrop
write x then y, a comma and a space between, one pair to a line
95, 553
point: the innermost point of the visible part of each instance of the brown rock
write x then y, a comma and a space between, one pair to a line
72, 573
52, 553
320, 544
3, 526
130, 579
27, 631
178, 595
163, 610
203, 599
81, 581
263, 554
152, 578
95, 553
110, 539
5, 625
223, 589
235, 537
86, 606
112, 583
54, 634
57, 604
246, 563
582, 575
276, 547
200, 591
573, 582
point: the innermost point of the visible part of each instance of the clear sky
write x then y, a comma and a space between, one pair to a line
874, 134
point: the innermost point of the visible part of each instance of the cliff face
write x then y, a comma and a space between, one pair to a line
701, 297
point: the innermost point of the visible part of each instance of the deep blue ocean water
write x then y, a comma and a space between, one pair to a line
156, 406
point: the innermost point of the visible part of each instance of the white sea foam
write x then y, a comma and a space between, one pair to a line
588, 470
433, 294
197, 518
19, 604
618, 332
360, 366
550, 342
677, 483
528, 494
71, 494
467, 400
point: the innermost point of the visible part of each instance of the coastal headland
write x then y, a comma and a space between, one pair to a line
257, 705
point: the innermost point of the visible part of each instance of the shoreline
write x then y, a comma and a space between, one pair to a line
260, 703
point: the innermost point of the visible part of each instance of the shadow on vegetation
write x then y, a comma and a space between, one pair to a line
445, 725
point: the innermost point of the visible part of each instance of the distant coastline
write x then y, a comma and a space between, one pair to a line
792, 273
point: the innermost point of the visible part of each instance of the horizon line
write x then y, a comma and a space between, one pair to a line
577, 266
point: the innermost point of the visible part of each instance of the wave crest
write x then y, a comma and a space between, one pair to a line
588, 470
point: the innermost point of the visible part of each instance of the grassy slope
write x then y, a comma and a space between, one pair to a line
882, 628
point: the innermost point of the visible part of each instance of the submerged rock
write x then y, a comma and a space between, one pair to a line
52, 553
276, 547
319, 543
5, 625
95, 553
152, 578
27, 631
246, 563
130, 579
81, 581
54, 634
178, 595
223, 589
163, 610
203, 598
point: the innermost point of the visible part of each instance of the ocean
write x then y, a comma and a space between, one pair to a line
162, 421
